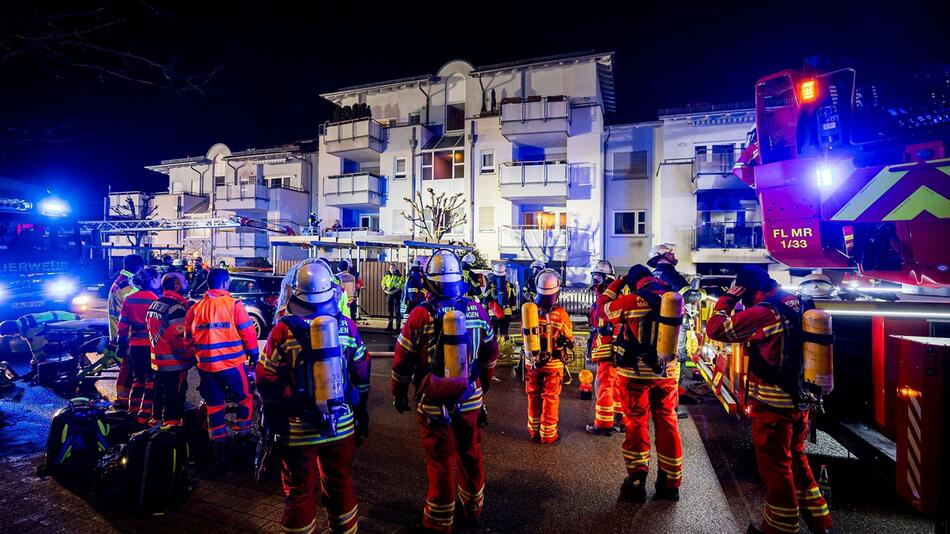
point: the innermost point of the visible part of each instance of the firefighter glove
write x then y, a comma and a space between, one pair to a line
401, 402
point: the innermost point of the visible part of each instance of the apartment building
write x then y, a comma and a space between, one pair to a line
522, 142
712, 216
272, 184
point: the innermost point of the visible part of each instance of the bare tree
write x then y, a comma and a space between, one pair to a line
438, 216
127, 209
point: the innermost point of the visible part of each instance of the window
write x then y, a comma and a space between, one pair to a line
278, 182
488, 162
443, 165
700, 150
427, 170
242, 286
632, 223
454, 117
486, 219
414, 117
219, 180
370, 222
400, 223
458, 164
399, 169
629, 165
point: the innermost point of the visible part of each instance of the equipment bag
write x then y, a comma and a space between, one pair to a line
789, 373
156, 469
629, 348
78, 436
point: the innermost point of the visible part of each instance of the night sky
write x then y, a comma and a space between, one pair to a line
78, 131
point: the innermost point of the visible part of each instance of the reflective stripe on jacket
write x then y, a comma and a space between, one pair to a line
133, 331
166, 332
121, 288
219, 332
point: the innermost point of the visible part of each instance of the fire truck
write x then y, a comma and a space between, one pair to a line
853, 176
40, 251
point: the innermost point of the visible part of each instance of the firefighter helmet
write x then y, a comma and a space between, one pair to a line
816, 286
443, 274
9, 328
420, 262
537, 265
311, 289
499, 269
468, 259
548, 283
657, 252
601, 272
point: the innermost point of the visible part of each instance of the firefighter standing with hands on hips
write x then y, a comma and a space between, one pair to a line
314, 380
448, 351
770, 326
502, 299
647, 374
170, 360
223, 339
548, 335
608, 411
134, 344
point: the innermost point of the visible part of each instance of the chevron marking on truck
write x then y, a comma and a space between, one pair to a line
923, 199
913, 451
869, 194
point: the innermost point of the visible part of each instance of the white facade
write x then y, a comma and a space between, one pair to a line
272, 185
529, 167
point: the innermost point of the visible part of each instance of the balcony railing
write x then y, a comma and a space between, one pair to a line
537, 242
354, 189
357, 139
241, 240
715, 162
536, 121
253, 191
533, 172
729, 235
534, 108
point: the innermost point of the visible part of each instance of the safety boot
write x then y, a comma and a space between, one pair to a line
591, 429
634, 488
664, 493
619, 427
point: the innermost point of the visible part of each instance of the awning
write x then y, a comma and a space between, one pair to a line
444, 142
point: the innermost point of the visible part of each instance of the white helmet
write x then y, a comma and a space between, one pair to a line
420, 261
308, 288
659, 251
548, 283
469, 259
443, 274
499, 269
602, 272
537, 264
816, 286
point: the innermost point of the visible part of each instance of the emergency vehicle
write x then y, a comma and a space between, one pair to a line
852, 175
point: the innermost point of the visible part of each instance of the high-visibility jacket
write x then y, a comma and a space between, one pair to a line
601, 349
761, 329
275, 375
219, 332
133, 332
629, 310
392, 283
166, 332
121, 288
558, 322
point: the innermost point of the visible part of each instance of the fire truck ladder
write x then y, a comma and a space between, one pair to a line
124, 226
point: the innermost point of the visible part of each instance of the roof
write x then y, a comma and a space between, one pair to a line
305, 145
604, 72
704, 109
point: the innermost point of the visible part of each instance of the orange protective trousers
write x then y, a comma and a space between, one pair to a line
641, 398
543, 387
608, 405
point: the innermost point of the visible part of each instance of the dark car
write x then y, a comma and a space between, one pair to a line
259, 294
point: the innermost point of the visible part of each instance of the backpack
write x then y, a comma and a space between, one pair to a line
437, 364
78, 436
629, 349
303, 405
156, 474
788, 374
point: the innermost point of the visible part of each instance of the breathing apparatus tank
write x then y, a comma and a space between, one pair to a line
668, 331
817, 355
455, 343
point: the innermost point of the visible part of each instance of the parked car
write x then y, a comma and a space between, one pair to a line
258, 292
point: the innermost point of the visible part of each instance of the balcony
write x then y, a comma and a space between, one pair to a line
358, 140
536, 121
352, 234
355, 190
728, 242
551, 244
534, 181
241, 197
241, 244
714, 171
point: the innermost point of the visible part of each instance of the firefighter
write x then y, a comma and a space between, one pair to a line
316, 434
545, 371
199, 275
121, 288
392, 283
448, 391
530, 289
662, 259
608, 413
476, 288
643, 390
413, 291
222, 337
502, 299
170, 361
133, 343
352, 283
778, 408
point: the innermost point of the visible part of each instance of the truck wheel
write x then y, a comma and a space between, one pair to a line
259, 326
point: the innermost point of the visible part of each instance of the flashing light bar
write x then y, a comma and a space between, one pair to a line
809, 91
825, 176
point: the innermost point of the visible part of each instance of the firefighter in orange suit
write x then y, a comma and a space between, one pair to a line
134, 343
644, 391
779, 411
222, 337
170, 361
544, 371
121, 288
447, 406
318, 429
608, 413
